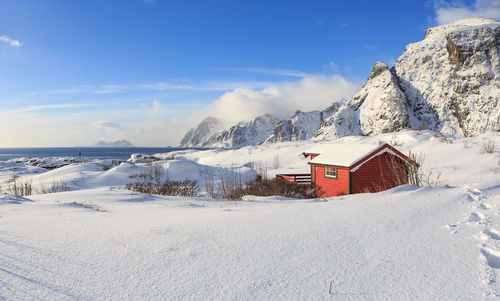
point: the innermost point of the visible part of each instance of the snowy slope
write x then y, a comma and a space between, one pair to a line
199, 135
243, 133
301, 126
405, 244
99, 241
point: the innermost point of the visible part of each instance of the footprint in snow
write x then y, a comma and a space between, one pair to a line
474, 194
452, 228
492, 257
475, 217
492, 233
484, 206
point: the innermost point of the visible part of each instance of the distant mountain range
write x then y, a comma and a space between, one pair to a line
449, 83
117, 143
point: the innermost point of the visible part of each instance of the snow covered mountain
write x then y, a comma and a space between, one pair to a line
244, 133
452, 77
449, 82
379, 107
199, 135
301, 126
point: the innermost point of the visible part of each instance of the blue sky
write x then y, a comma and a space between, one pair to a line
75, 72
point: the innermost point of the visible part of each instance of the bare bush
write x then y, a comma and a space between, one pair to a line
155, 180
17, 187
278, 186
414, 171
489, 147
208, 175
175, 188
261, 169
230, 186
154, 173
54, 187
415, 174
272, 187
431, 179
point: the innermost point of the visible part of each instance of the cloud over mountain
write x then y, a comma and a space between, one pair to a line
281, 100
447, 12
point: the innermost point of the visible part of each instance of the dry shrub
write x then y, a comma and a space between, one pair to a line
208, 175
277, 186
176, 188
272, 187
16, 187
416, 176
230, 186
489, 147
155, 180
154, 173
54, 187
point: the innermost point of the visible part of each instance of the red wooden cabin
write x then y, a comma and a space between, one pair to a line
339, 169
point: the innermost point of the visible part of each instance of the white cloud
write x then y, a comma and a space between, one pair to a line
158, 122
447, 12
309, 93
106, 124
47, 107
10, 42
173, 85
283, 72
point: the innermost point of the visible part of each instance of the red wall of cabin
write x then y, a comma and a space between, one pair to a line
328, 186
380, 173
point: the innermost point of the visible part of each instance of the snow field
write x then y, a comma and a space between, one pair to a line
99, 241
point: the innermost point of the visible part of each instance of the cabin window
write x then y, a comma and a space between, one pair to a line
330, 172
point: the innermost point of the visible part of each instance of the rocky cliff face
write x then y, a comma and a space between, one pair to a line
452, 77
244, 133
379, 107
301, 126
449, 82
200, 134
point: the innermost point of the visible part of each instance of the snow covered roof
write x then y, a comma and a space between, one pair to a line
341, 154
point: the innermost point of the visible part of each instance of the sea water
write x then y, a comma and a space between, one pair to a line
120, 153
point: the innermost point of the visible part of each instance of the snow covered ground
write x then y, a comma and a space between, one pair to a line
100, 241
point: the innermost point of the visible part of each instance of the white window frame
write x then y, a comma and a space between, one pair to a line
334, 170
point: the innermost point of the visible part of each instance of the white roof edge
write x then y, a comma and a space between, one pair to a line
367, 156
342, 155
382, 151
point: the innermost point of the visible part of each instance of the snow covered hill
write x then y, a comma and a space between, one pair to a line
244, 133
301, 126
100, 241
449, 83
199, 135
